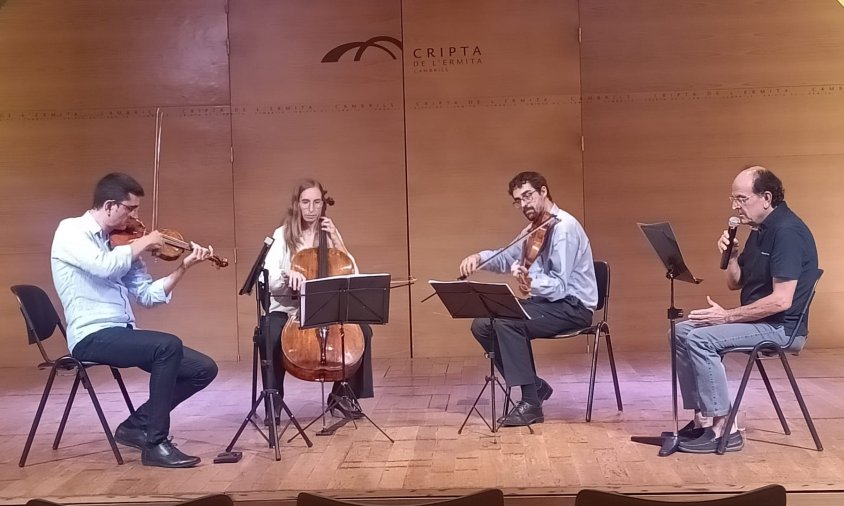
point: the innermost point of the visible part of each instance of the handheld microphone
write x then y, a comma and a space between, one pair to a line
731, 236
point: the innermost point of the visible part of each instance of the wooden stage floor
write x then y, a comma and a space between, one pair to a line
421, 403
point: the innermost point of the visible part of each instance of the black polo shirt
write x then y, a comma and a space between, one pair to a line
784, 248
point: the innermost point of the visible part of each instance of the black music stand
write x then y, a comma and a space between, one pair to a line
664, 243
353, 299
258, 277
472, 299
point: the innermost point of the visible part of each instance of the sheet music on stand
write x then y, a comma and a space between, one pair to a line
490, 297
357, 298
664, 242
473, 299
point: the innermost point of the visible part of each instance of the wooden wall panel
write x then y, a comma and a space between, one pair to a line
44, 186
671, 115
94, 54
340, 122
660, 45
475, 120
87, 79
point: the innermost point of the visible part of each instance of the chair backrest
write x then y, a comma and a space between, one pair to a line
208, 500
38, 312
602, 276
488, 497
804, 314
771, 495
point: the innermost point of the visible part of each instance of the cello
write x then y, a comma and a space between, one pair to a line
329, 353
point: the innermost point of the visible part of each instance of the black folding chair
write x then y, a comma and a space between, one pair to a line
770, 349
41, 323
770, 495
597, 329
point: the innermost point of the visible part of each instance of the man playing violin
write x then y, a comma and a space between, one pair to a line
299, 230
94, 281
558, 279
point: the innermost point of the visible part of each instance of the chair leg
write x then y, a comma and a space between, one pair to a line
800, 401
773, 396
86, 382
63, 423
119, 379
613, 369
722, 445
592, 374
37, 419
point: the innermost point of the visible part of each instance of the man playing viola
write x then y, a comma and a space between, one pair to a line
559, 284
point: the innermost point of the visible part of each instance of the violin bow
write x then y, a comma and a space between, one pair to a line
505, 248
159, 123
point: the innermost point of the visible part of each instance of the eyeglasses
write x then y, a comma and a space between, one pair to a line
525, 198
740, 199
129, 208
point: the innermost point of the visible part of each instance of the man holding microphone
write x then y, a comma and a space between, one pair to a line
775, 272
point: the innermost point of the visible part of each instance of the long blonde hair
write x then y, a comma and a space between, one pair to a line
292, 221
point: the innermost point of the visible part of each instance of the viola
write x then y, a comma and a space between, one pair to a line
333, 352
174, 243
540, 232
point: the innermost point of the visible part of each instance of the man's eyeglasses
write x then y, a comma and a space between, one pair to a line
525, 198
129, 208
740, 199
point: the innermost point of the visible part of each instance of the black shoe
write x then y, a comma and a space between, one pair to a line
688, 431
165, 454
523, 414
347, 406
544, 391
136, 438
708, 443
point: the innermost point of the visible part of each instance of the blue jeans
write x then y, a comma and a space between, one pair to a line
700, 372
176, 371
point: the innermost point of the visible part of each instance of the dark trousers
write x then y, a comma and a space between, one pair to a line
513, 356
176, 371
360, 381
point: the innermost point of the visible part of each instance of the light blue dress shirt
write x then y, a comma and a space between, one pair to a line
94, 281
564, 267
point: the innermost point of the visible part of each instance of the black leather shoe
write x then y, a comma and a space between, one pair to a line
708, 443
164, 454
688, 431
544, 391
523, 414
347, 406
136, 438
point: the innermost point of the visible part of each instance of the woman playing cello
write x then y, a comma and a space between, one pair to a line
299, 230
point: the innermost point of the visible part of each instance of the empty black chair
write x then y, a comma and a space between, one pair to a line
769, 349
770, 495
207, 500
597, 329
488, 497
41, 323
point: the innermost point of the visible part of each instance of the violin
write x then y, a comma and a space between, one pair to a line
540, 230
174, 243
333, 352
